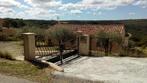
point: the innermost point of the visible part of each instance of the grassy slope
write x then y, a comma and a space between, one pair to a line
25, 70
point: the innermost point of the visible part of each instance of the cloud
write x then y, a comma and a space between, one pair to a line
132, 13
42, 8
97, 4
142, 3
76, 11
6, 7
9, 3
80, 5
50, 8
44, 3
37, 13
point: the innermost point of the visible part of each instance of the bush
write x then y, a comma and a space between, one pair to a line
3, 37
133, 52
9, 38
6, 55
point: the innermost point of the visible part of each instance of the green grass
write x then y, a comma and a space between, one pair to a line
25, 70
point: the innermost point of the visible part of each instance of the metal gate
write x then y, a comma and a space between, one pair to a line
53, 51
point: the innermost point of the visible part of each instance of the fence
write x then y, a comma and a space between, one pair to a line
41, 46
38, 46
91, 47
44, 46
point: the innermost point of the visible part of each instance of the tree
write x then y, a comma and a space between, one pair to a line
106, 40
6, 24
61, 34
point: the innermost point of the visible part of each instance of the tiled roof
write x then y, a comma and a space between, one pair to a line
94, 28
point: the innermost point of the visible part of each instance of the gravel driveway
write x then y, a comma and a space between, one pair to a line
104, 70
10, 79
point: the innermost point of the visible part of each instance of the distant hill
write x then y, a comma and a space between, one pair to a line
138, 29
19, 23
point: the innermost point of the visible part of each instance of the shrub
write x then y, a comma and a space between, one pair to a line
133, 52
106, 39
6, 55
62, 35
13, 37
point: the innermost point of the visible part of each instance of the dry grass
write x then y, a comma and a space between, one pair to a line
6, 55
14, 48
25, 70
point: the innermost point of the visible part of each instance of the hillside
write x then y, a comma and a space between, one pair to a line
138, 29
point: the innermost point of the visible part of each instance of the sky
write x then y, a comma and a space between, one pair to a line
74, 9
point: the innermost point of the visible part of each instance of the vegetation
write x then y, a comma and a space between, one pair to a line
20, 23
61, 34
135, 27
105, 40
138, 29
26, 70
6, 55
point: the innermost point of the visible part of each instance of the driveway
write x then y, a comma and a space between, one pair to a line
10, 79
104, 70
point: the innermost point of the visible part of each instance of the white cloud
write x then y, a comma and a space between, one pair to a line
6, 12
76, 11
48, 8
8, 7
9, 3
37, 13
97, 4
44, 3
81, 5
142, 3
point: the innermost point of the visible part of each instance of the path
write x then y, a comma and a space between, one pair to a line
10, 79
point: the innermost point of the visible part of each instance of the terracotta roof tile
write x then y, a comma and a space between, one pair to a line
94, 28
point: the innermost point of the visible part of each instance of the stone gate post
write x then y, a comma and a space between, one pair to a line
29, 46
84, 45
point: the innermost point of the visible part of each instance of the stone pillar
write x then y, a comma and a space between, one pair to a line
29, 46
84, 45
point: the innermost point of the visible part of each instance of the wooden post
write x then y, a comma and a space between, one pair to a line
29, 46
